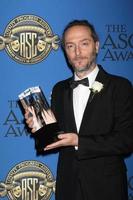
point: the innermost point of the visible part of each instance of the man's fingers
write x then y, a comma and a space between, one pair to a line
48, 116
53, 145
67, 139
33, 130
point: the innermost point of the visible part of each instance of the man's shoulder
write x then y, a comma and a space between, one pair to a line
62, 84
119, 80
116, 79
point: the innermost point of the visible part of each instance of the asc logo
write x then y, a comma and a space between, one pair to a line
28, 180
28, 39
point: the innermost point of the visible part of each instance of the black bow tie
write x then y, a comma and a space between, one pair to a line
74, 84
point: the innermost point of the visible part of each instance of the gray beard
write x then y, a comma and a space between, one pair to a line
85, 68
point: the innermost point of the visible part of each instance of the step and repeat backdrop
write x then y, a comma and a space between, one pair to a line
30, 55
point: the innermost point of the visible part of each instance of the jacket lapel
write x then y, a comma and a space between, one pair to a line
102, 77
68, 110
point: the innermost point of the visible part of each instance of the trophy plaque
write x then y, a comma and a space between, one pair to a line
45, 124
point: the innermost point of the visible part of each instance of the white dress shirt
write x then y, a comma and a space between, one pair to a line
80, 96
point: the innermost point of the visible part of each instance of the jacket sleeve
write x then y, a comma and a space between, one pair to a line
120, 140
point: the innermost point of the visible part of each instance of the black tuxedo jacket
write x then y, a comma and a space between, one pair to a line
105, 137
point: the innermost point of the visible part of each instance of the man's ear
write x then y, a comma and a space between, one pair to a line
97, 46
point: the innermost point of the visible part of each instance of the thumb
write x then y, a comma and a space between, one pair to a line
61, 136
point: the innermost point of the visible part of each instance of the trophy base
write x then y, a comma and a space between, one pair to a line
46, 135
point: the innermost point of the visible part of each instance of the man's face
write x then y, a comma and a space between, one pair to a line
80, 48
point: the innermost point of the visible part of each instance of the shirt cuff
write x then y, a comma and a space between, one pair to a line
76, 148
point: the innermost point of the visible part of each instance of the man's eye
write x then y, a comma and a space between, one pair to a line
70, 46
85, 43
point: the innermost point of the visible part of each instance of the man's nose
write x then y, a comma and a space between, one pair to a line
77, 50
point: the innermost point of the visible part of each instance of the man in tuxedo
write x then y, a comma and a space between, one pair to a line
95, 111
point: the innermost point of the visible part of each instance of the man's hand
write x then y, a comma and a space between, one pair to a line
33, 122
66, 139
29, 115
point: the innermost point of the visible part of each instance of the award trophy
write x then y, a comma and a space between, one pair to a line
45, 124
